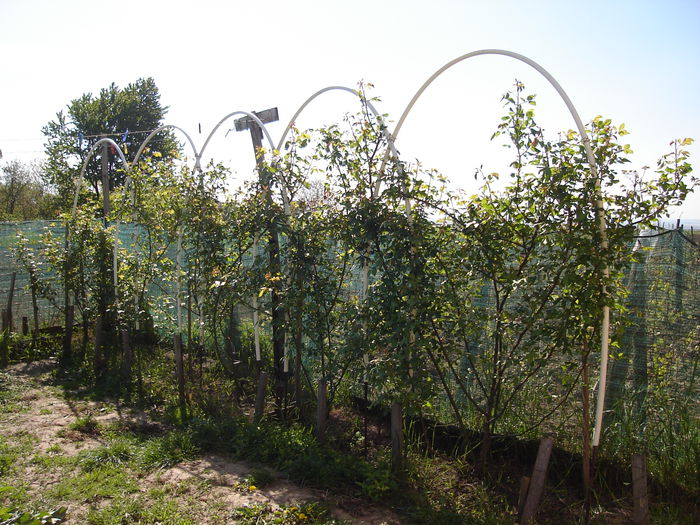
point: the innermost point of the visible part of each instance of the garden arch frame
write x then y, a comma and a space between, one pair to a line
599, 206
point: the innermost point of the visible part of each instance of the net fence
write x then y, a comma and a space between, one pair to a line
657, 349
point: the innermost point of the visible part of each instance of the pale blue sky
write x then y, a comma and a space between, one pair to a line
636, 62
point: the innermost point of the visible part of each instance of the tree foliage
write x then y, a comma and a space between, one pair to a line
125, 115
479, 309
23, 195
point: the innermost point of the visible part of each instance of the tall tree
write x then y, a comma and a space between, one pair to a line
125, 115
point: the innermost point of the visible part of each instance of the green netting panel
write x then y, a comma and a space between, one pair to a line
659, 349
34, 232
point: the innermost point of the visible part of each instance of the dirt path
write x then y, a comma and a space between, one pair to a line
38, 423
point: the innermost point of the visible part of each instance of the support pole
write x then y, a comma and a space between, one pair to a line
322, 409
397, 465
180, 370
10, 298
639, 490
538, 479
273, 246
260, 397
68, 333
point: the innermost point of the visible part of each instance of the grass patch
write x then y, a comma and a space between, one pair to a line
307, 513
295, 451
138, 509
47, 462
168, 450
114, 454
21, 445
85, 425
259, 478
7, 458
9, 396
105, 482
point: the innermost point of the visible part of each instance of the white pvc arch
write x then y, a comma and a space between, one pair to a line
599, 207
153, 133
387, 136
285, 196
91, 152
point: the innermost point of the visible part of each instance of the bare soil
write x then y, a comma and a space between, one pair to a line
210, 483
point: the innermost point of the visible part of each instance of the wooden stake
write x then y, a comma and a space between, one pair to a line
127, 364
10, 296
4, 344
67, 332
397, 440
35, 313
522, 494
260, 398
99, 337
538, 479
585, 428
639, 490
180, 371
322, 409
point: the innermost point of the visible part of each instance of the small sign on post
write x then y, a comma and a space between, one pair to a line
265, 116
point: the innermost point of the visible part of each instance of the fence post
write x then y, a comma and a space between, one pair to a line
10, 296
397, 440
538, 479
128, 359
68, 333
639, 490
180, 370
322, 409
4, 343
99, 337
260, 398
35, 314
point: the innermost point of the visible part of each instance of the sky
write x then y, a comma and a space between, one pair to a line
635, 62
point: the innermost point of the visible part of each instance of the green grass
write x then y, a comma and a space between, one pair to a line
105, 482
46, 462
114, 454
307, 513
9, 395
295, 451
7, 458
85, 424
139, 509
442, 495
13, 447
260, 478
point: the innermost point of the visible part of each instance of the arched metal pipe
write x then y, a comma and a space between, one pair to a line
153, 133
375, 190
387, 136
90, 154
81, 176
233, 114
285, 196
599, 207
